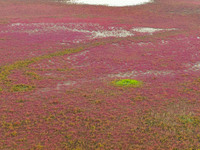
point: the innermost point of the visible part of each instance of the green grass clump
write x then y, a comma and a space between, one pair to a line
128, 83
21, 88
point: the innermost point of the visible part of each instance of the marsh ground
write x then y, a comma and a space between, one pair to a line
59, 61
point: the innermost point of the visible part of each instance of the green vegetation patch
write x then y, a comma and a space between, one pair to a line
7, 69
21, 88
128, 83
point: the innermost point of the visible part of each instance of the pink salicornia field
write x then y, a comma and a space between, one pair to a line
87, 77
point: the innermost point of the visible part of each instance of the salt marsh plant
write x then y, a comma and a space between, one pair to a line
150, 99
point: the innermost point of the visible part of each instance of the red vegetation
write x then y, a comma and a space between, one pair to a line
57, 69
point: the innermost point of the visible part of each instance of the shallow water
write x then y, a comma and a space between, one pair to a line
115, 3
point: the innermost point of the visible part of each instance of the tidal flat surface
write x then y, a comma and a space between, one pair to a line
88, 77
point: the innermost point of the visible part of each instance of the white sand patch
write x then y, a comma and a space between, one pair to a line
90, 30
59, 86
144, 43
114, 33
64, 84
113, 3
150, 30
132, 74
141, 73
163, 42
195, 67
